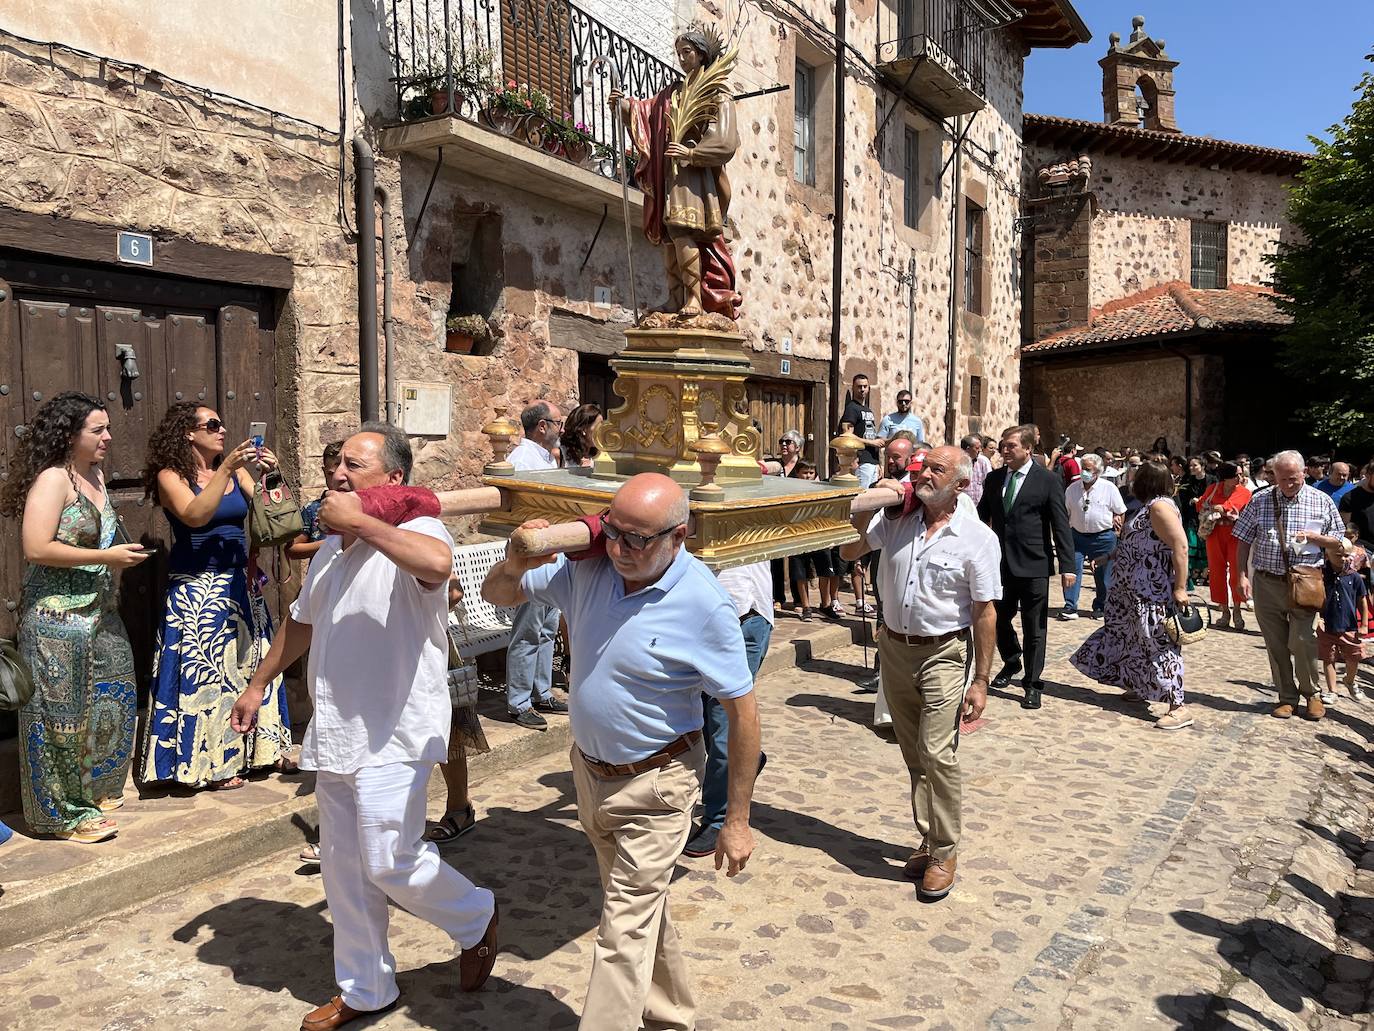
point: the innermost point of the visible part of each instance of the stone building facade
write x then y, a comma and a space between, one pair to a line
1149, 309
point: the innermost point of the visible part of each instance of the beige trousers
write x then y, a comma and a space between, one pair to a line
1290, 638
925, 691
638, 827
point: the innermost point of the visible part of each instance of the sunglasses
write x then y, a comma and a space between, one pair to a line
633, 541
904, 400
211, 426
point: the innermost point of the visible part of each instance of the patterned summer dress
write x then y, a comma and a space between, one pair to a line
1131, 648
214, 633
77, 732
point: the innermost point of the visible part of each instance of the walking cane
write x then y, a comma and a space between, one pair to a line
624, 175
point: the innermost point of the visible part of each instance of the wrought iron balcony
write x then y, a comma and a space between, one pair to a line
522, 68
935, 51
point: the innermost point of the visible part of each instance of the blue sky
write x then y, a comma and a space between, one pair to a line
1268, 72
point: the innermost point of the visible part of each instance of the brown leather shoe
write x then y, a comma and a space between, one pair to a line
474, 965
1282, 712
915, 868
337, 1013
1315, 709
938, 879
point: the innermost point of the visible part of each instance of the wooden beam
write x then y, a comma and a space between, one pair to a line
172, 255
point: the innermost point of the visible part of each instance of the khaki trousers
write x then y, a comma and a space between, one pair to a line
1290, 638
925, 690
638, 827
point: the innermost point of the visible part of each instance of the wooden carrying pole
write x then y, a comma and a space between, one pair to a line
574, 536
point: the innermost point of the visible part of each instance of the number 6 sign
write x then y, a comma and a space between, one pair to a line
136, 248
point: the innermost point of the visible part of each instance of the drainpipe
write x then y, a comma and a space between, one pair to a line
393, 406
364, 194
911, 325
837, 257
956, 202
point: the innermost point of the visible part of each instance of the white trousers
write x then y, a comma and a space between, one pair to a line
372, 848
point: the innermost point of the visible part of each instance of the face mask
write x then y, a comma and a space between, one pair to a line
1087, 476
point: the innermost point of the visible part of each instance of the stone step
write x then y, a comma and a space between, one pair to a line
168, 841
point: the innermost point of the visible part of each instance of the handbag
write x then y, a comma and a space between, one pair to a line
1306, 584
1185, 625
463, 678
274, 517
16, 683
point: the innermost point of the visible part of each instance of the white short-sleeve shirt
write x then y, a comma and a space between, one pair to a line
1103, 503
378, 667
929, 587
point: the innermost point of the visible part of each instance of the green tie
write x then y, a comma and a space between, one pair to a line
1009, 495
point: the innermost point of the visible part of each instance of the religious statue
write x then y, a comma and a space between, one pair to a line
682, 138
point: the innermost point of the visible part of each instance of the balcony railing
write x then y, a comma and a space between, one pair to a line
949, 33
521, 67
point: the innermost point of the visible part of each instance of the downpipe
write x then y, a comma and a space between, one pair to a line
365, 187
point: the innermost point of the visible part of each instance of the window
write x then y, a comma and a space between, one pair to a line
975, 395
1209, 256
910, 24
973, 257
804, 125
911, 170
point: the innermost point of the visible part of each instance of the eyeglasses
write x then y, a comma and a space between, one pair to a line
633, 541
554, 422
904, 400
211, 426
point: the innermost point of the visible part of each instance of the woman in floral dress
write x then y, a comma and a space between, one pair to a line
76, 733
216, 628
1132, 649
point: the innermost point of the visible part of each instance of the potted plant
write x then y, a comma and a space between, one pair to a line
463, 332
574, 140
516, 110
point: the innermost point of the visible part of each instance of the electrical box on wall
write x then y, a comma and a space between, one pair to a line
426, 408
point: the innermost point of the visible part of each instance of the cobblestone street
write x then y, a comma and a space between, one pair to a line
1111, 876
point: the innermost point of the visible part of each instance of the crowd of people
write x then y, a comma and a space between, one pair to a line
663, 653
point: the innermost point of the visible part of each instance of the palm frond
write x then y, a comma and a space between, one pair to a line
699, 99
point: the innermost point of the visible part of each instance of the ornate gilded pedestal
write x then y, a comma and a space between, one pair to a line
681, 384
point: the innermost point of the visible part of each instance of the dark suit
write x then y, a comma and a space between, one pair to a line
1033, 534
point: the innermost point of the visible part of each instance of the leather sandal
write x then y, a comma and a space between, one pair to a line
88, 832
452, 827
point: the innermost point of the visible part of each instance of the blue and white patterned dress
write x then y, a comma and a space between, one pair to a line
215, 631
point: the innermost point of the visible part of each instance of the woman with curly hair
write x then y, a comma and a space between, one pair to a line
215, 628
578, 449
76, 733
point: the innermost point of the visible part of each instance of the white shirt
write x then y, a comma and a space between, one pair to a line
1104, 502
527, 456
929, 586
750, 588
378, 669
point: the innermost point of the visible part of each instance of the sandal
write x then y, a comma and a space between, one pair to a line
109, 805
232, 784
449, 829
310, 855
88, 832
285, 765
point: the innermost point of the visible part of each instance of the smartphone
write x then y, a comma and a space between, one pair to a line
257, 432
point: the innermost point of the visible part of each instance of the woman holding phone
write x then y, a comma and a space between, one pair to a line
77, 731
216, 627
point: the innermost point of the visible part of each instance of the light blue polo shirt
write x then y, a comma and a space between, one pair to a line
640, 661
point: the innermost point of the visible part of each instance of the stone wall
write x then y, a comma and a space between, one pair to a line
1141, 236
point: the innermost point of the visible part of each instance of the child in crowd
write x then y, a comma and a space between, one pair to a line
1338, 637
308, 541
819, 564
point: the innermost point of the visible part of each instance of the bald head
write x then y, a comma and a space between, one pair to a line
648, 503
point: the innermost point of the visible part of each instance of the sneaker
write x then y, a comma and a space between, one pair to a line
529, 719
838, 609
869, 685
1356, 695
1328, 697
551, 704
1097, 614
1068, 614
865, 609
828, 611
806, 616
1176, 719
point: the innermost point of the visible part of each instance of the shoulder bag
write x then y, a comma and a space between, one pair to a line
274, 517
16, 683
1306, 585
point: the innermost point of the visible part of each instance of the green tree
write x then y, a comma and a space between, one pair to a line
1327, 280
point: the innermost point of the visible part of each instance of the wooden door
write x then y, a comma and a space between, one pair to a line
64, 326
779, 406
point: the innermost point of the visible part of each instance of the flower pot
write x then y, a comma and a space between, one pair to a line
577, 151
502, 120
458, 343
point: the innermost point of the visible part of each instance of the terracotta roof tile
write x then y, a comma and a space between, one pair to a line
1164, 311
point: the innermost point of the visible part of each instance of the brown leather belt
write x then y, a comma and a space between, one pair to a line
924, 642
657, 761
